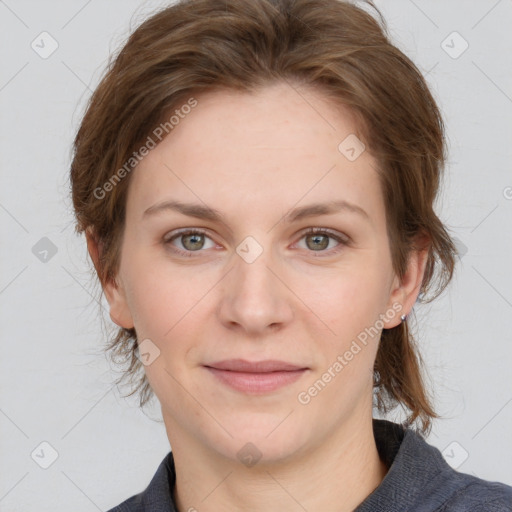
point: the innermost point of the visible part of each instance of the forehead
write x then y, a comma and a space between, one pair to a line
275, 147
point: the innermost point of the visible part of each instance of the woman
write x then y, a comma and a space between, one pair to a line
256, 182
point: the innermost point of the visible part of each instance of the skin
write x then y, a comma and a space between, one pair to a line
254, 157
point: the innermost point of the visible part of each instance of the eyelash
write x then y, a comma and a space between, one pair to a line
342, 241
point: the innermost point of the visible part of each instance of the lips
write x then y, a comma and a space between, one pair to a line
240, 365
255, 378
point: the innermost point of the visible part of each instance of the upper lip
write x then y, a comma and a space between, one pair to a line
241, 365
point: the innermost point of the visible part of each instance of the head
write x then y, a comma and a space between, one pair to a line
252, 110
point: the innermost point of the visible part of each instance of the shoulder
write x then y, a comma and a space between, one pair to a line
132, 504
420, 479
455, 491
157, 497
474, 494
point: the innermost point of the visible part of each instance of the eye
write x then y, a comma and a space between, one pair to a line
191, 240
317, 240
194, 240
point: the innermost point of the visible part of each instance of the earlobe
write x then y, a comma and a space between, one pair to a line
405, 291
115, 294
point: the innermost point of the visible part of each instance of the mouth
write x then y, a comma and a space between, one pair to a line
256, 377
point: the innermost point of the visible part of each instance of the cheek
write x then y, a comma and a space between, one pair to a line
161, 296
347, 299
350, 305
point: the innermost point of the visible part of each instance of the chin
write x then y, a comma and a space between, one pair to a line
264, 437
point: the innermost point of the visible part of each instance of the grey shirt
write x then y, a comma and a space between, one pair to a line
418, 480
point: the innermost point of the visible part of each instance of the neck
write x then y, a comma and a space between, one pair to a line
336, 475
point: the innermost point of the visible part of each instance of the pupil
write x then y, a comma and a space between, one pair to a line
195, 244
321, 245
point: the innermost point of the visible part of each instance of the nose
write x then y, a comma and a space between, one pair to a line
255, 298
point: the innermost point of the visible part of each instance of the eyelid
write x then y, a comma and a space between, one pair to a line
167, 240
342, 239
183, 231
333, 233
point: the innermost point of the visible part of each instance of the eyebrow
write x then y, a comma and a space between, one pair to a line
201, 211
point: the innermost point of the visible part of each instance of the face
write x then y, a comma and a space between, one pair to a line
238, 276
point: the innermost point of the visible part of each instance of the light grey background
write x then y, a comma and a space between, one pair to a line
56, 387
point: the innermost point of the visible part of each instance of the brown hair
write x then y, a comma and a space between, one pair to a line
333, 46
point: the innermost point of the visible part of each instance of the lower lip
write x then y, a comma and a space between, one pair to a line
256, 383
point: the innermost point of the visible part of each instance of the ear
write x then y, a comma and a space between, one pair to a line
406, 291
119, 311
